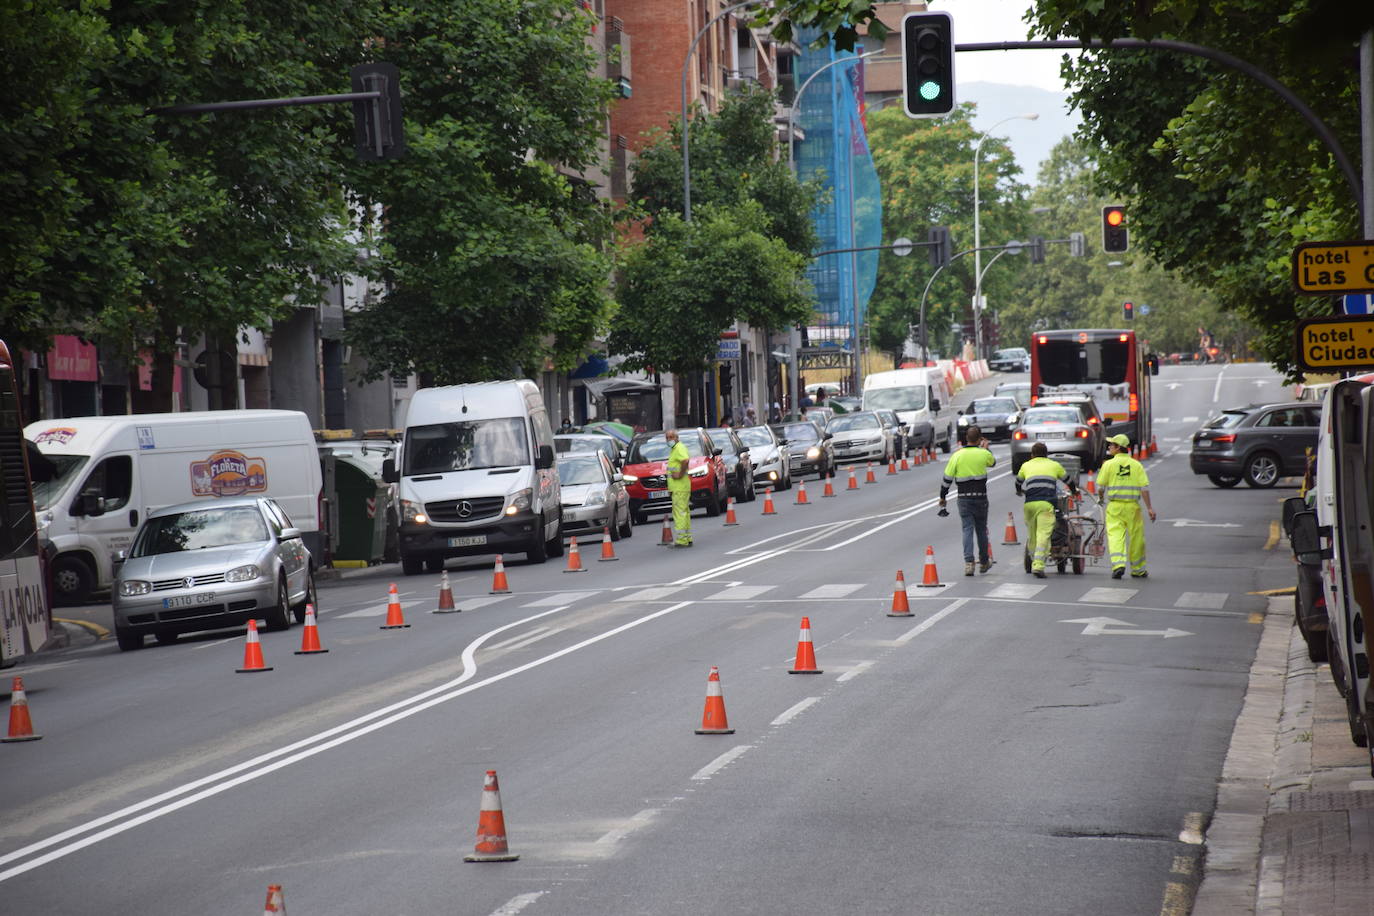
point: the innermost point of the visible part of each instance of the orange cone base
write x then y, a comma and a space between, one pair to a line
906, 613
805, 671
252, 670
317, 651
394, 626
18, 738
447, 610
491, 857
715, 731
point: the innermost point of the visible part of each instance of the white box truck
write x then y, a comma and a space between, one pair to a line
921, 398
110, 472
476, 474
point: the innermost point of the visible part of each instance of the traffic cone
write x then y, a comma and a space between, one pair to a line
1092, 488
919, 458
713, 716
901, 607
491, 826
806, 652
904, 465
1010, 536
574, 557
275, 903
931, 578
829, 485
930, 453
768, 501
395, 620
499, 586
869, 476
446, 605
801, 494
853, 481
310, 636
892, 467
667, 538
730, 520
21, 726
607, 550
252, 652
1154, 446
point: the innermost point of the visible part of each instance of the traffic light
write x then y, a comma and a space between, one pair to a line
928, 64
1037, 249
377, 131
938, 237
1115, 235
1128, 311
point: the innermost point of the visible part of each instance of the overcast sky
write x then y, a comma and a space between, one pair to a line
999, 20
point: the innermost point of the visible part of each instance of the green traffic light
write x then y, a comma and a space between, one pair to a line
929, 90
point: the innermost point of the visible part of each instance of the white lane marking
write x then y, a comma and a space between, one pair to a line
1162, 419
1212, 600
740, 593
834, 590
1192, 829
653, 594
854, 672
641, 819
530, 638
930, 621
721, 762
518, 638
1216, 392
515, 904
267, 763
1107, 595
796, 710
560, 598
1190, 419
378, 611
1015, 590
472, 604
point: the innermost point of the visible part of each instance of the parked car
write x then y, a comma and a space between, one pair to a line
1063, 430
901, 439
646, 473
594, 495
1010, 359
1309, 601
861, 437
739, 469
564, 443
995, 416
211, 564
845, 403
1258, 444
1019, 390
772, 466
820, 415
1087, 408
810, 448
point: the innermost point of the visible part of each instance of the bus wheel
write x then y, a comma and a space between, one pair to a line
72, 580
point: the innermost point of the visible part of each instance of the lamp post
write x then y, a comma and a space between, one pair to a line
978, 236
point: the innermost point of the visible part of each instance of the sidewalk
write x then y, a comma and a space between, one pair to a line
1293, 833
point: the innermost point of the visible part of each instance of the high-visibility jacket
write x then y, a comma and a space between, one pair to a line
1121, 477
1038, 479
679, 457
967, 469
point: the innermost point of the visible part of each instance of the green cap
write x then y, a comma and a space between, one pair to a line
1121, 440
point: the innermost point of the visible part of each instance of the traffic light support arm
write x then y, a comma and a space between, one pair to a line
248, 104
874, 248
925, 350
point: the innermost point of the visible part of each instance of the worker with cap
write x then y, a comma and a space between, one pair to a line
1122, 485
967, 470
1038, 481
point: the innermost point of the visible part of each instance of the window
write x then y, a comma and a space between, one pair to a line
112, 482
1068, 362
465, 446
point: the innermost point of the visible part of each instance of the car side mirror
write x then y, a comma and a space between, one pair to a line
89, 503
828, 436
288, 534
1305, 538
118, 557
544, 461
935, 406
389, 471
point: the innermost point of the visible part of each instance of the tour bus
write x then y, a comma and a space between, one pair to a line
25, 613
1110, 365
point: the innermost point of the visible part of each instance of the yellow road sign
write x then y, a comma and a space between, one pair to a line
1323, 268
1336, 343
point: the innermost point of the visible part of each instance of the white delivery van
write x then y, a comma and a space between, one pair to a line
476, 474
921, 398
112, 471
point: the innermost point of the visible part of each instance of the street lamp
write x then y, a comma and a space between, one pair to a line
978, 236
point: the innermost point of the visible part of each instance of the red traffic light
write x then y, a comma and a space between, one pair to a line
1113, 216
1115, 235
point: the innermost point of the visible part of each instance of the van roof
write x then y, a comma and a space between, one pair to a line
91, 430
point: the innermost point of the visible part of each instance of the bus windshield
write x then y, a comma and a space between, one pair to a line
1069, 362
912, 397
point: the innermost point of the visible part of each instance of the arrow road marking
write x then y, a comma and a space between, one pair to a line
1098, 626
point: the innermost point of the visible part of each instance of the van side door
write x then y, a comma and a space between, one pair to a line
546, 479
1351, 571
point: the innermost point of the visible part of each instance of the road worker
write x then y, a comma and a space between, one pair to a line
967, 470
1038, 481
680, 488
1123, 485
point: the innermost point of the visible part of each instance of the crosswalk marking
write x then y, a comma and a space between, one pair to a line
837, 590
1107, 595
1209, 600
560, 598
377, 611
739, 593
1190, 419
1014, 590
653, 594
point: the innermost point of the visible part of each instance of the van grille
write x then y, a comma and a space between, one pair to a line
452, 510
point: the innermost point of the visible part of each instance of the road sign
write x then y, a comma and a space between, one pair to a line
902, 247
1336, 344
728, 349
1359, 304
1324, 268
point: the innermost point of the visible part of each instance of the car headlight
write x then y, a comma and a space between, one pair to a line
699, 472
242, 574
130, 587
595, 498
519, 501
813, 452
413, 512
630, 478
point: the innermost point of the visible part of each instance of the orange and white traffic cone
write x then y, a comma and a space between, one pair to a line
869, 476
931, 578
1154, 446
801, 494
904, 466
499, 586
713, 720
806, 652
930, 453
853, 481
607, 549
395, 620
829, 485
310, 636
446, 603
491, 826
574, 557
1010, 536
768, 502
276, 904
1092, 487
901, 607
21, 726
252, 652
730, 520
666, 538
919, 458
891, 467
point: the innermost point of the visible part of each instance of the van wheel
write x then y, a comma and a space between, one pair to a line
72, 580
128, 640
945, 446
434, 564
164, 637
539, 549
279, 617
556, 545
1352, 715
412, 566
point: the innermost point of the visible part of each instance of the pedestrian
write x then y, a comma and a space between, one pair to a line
1122, 485
1038, 481
967, 470
751, 417
566, 426
680, 488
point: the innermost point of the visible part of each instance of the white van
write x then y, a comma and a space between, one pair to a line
476, 474
110, 472
921, 398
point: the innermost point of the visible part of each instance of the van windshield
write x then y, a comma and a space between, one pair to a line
466, 446
66, 468
908, 398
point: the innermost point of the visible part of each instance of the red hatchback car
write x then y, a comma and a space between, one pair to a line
646, 473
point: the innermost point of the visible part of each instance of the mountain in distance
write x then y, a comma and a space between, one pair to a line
1031, 141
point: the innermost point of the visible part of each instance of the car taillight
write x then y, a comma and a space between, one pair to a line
1227, 438
1083, 434
1092, 421
1019, 434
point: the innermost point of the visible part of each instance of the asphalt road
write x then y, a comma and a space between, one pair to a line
1017, 746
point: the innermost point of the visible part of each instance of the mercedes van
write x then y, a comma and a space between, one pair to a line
475, 474
921, 398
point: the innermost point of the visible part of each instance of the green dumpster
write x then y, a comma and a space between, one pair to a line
362, 505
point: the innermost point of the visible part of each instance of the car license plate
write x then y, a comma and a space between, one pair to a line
188, 600
472, 540
1203, 443
1049, 435
660, 494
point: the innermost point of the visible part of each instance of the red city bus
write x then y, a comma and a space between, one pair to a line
1111, 365
25, 611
